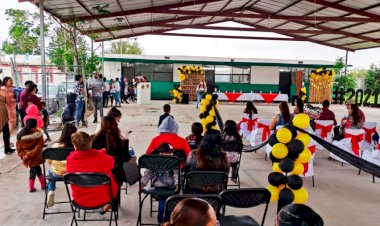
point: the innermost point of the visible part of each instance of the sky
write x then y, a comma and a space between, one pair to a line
234, 48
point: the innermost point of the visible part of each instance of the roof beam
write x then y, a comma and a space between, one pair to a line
360, 12
223, 28
299, 37
231, 37
137, 11
267, 16
126, 18
225, 5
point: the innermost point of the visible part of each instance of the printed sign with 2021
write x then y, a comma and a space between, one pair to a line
360, 97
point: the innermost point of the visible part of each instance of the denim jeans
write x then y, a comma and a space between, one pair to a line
51, 183
161, 208
117, 98
98, 106
199, 98
79, 108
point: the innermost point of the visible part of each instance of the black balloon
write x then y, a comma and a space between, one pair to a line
201, 115
204, 95
294, 182
272, 140
276, 179
286, 196
214, 96
296, 145
286, 165
208, 108
274, 159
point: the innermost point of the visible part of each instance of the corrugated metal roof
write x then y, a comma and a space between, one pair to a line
344, 24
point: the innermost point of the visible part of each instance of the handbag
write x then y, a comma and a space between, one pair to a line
131, 169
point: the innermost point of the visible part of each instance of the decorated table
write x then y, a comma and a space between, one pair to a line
267, 97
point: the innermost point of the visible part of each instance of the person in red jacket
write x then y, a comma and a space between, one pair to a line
86, 159
168, 133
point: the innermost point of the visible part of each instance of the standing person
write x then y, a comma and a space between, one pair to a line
106, 93
166, 109
201, 89
96, 85
79, 102
23, 103
230, 133
4, 126
45, 118
117, 93
124, 86
32, 112
29, 145
11, 102
112, 91
32, 98
130, 94
283, 118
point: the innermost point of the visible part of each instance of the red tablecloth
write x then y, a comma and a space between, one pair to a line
268, 97
233, 96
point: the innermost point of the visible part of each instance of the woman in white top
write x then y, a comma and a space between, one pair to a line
117, 93
112, 91
201, 89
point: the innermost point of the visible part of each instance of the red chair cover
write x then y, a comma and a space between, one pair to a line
266, 131
250, 122
368, 134
355, 139
306, 165
324, 130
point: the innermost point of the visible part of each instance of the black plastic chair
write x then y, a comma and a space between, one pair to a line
56, 154
205, 182
214, 200
244, 198
234, 146
157, 164
90, 180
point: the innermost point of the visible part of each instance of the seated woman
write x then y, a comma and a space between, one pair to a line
168, 134
114, 113
196, 135
299, 106
87, 159
209, 157
283, 118
353, 120
58, 168
193, 211
109, 137
230, 133
247, 124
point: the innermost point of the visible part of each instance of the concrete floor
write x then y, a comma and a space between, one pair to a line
340, 196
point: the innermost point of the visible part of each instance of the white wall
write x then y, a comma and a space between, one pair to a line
265, 75
112, 69
175, 72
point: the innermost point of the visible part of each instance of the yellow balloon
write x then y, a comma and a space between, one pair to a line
208, 97
301, 121
274, 192
280, 150
298, 169
203, 121
300, 196
276, 168
182, 77
214, 127
284, 135
205, 102
209, 119
217, 104
180, 88
174, 100
305, 138
202, 109
305, 156
212, 113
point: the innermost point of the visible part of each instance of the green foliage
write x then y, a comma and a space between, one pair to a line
372, 78
92, 64
24, 33
125, 47
341, 80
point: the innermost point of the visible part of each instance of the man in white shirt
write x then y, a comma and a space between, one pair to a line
106, 92
96, 85
117, 93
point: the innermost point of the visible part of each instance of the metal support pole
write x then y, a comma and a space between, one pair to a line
345, 64
103, 58
42, 47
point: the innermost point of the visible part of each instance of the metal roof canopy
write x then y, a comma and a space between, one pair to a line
344, 24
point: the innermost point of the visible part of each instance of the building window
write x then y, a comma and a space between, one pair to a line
154, 72
232, 74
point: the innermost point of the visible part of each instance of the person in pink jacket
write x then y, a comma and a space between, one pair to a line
32, 112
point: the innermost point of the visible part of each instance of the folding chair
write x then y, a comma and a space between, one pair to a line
90, 180
157, 164
261, 133
370, 130
324, 129
205, 182
214, 200
234, 146
243, 198
351, 143
56, 154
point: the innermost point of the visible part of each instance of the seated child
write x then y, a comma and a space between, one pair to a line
167, 179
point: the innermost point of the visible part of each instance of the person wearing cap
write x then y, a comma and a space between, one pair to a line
168, 134
349, 102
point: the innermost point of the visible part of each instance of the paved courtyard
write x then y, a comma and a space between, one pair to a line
340, 196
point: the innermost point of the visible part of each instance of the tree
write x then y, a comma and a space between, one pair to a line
125, 47
24, 32
341, 80
372, 78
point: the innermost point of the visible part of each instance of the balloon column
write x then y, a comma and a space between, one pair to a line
288, 154
183, 71
208, 109
177, 94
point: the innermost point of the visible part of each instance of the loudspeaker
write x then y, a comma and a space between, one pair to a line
185, 98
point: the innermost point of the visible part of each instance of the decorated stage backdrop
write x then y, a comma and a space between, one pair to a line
321, 85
